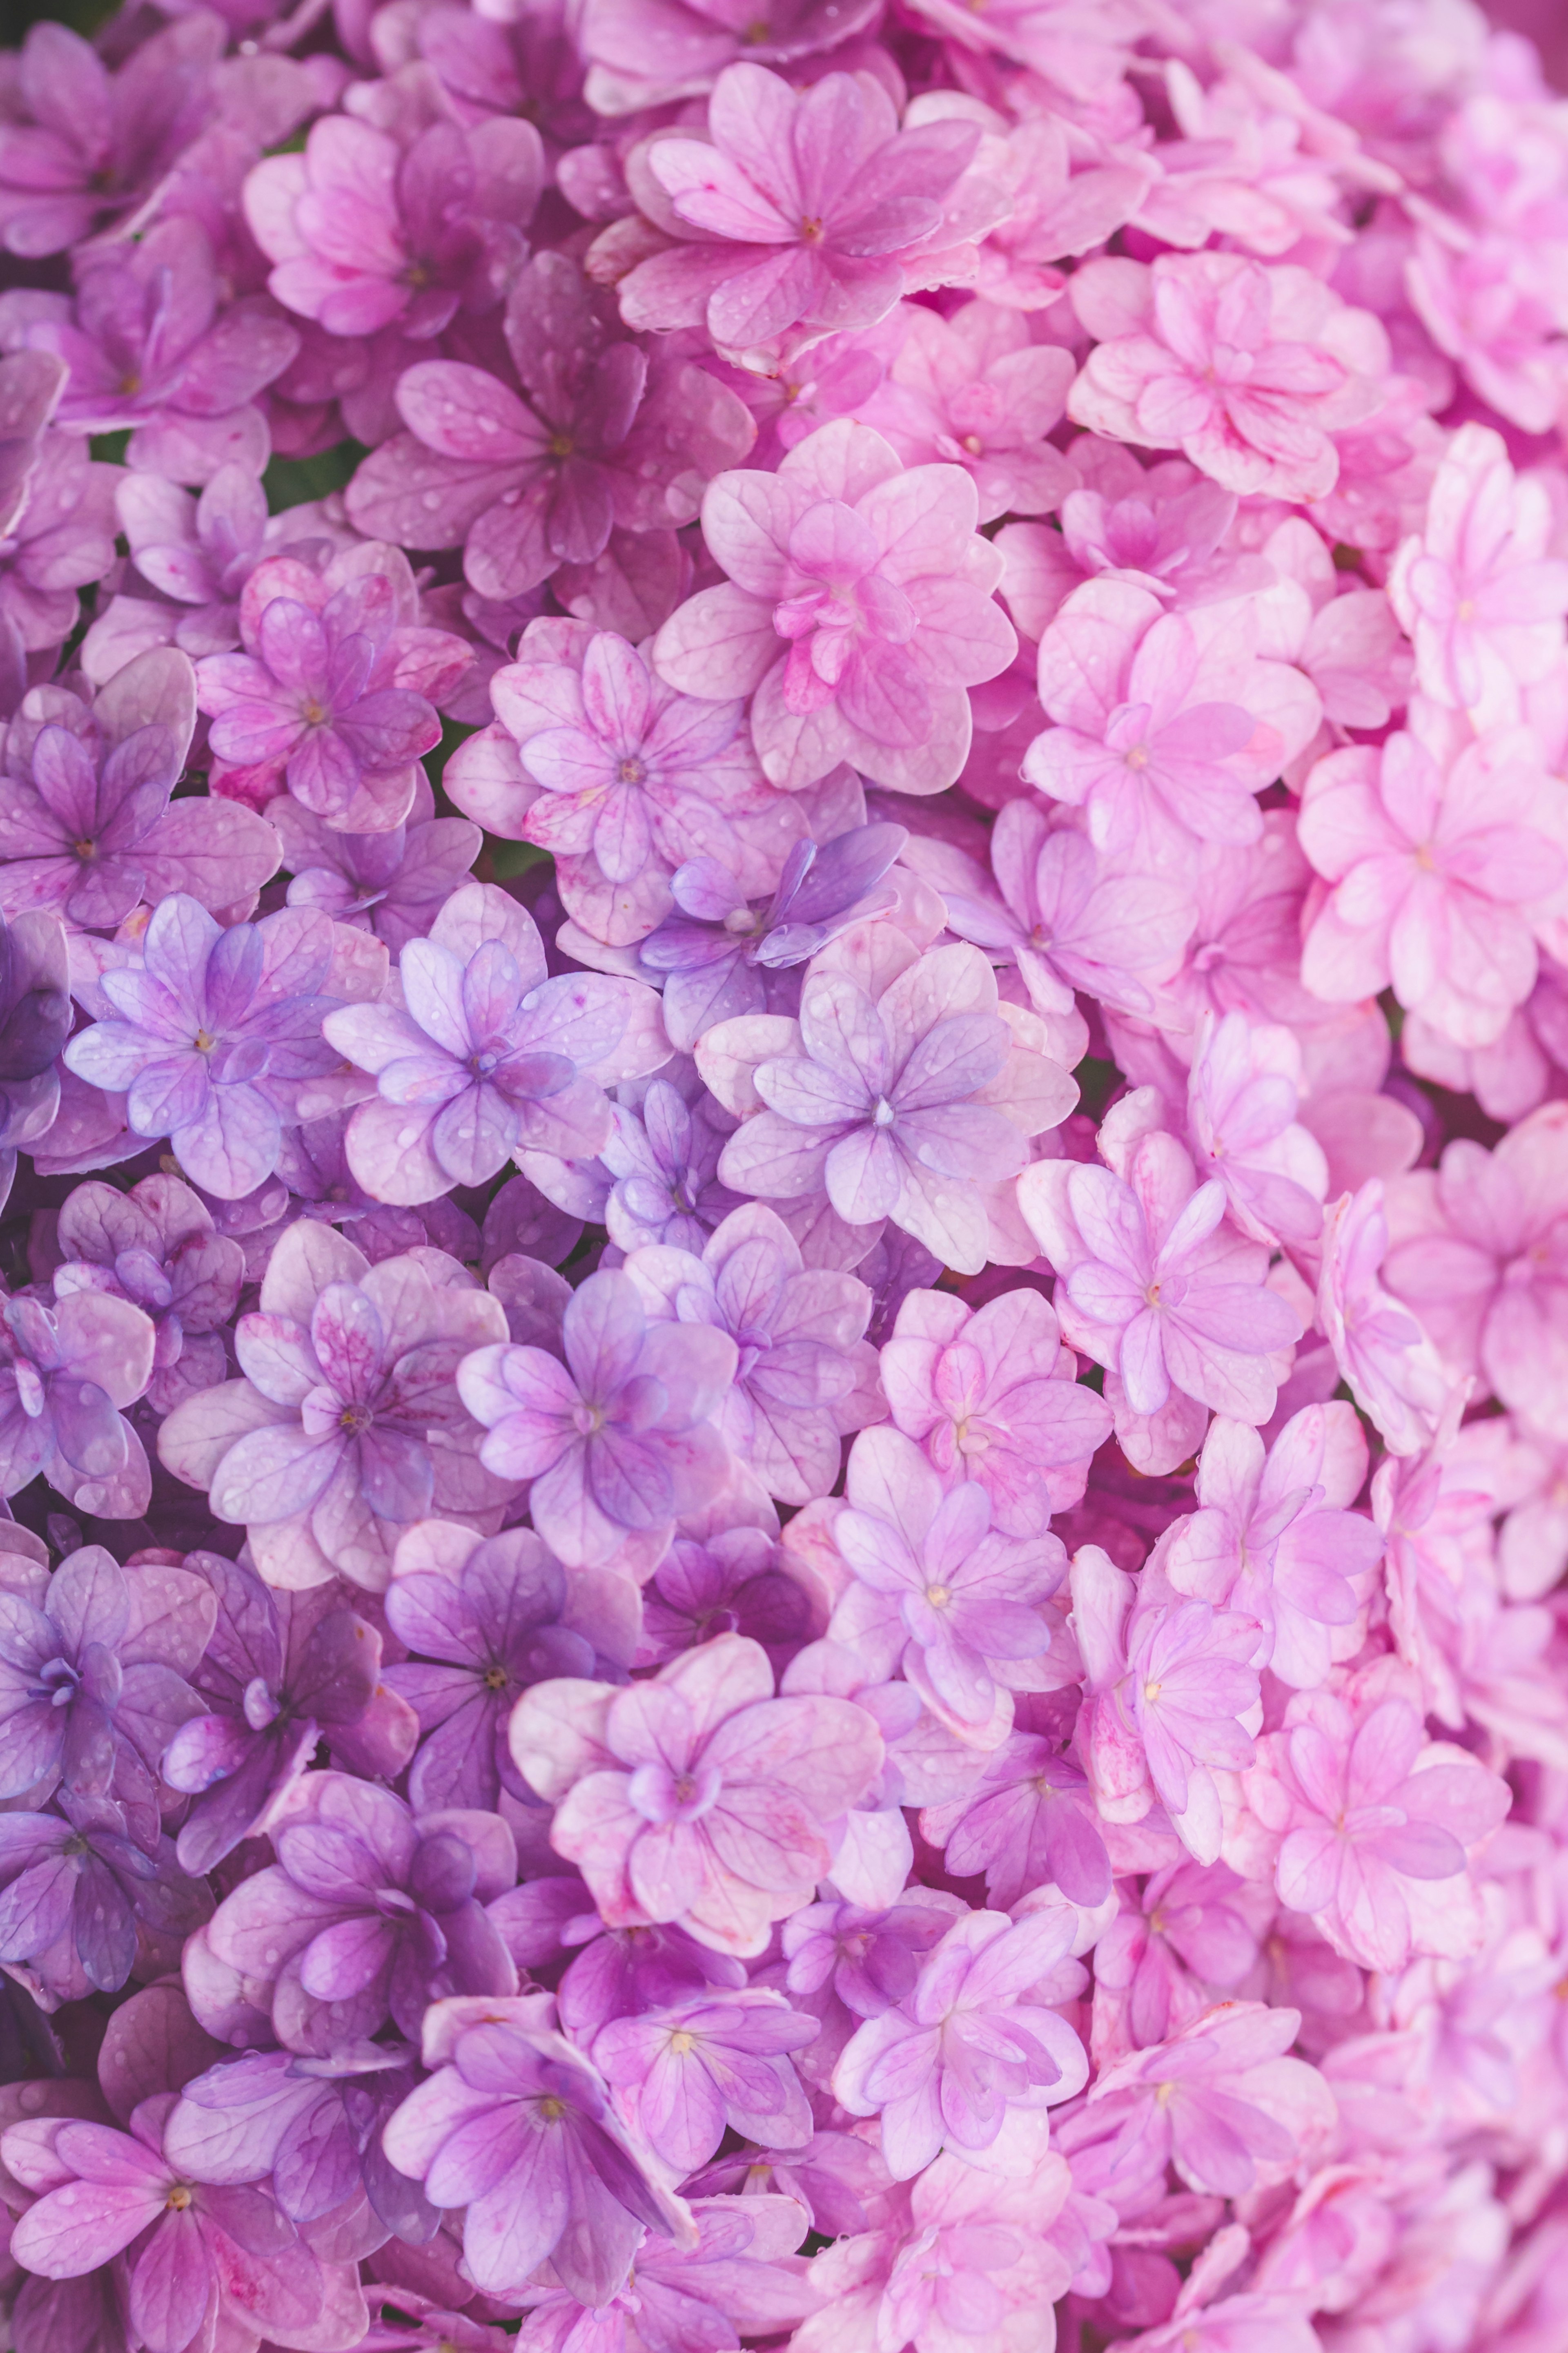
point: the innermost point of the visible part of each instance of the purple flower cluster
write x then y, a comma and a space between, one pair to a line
784, 1177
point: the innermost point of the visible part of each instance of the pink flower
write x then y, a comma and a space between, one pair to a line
804, 205
1478, 1250
1072, 920
990, 1395
1219, 2101
1389, 1362
966, 2047
857, 610
1243, 1096
698, 1796
531, 467
362, 237
622, 779
1274, 1535
333, 698
1156, 1288
1442, 855
1371, 1812
1166, 725
1477, 592
973, 391
1248, 370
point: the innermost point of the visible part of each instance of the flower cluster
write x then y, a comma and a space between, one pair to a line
784, 1177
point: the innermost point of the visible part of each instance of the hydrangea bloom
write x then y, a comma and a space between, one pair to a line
486, 1055
902, 1103
346, 1426
782, 1524
857, 610
88, 827
616, 1440
803, 1377
808, 208
208, 1034
674, 1805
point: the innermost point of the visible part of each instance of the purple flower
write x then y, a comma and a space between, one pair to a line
619, 777
60, 539
1274, 1536
393, 884
198, 552
1028, 1823
683, 2075
286, 1671
370, 1911
846, 1962
66, 1374
331, 698
309, 2126
1158, 1290
908, 1105
639, 57
199, 2254
526, 479
618, 1439
152, 345
364, 236
347, 1426
663, 1157
989, 1395
516, 2127
211, 1032
493, 1616
804, 204
698, 1798
716, 955
966, 2045
742, 2280
1189, 1685
87, 827
733, 1584
489, 1057
35, 1022
936, 1590
80, 145
156, 1246
1190, 1923
529, 66
79, 1894
805, 1376
622, 1972
93, 1663
1218, 2101
1069, 920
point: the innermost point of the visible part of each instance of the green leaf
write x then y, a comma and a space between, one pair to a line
291, 481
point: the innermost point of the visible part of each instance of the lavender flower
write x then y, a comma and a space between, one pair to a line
287, 1670
394, 884
77, 1892
682, 2075
616, 1438
489, 1057
495, 1616
35, 1022
66, 1374
158, 1247
569, 2184
716, 952
214, 1030
664, 1157
347, 1427
87, 825
370, 1911
93, 1663
803, 1376
1029, 1821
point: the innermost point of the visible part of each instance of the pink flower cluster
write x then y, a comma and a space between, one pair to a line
784, 1177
